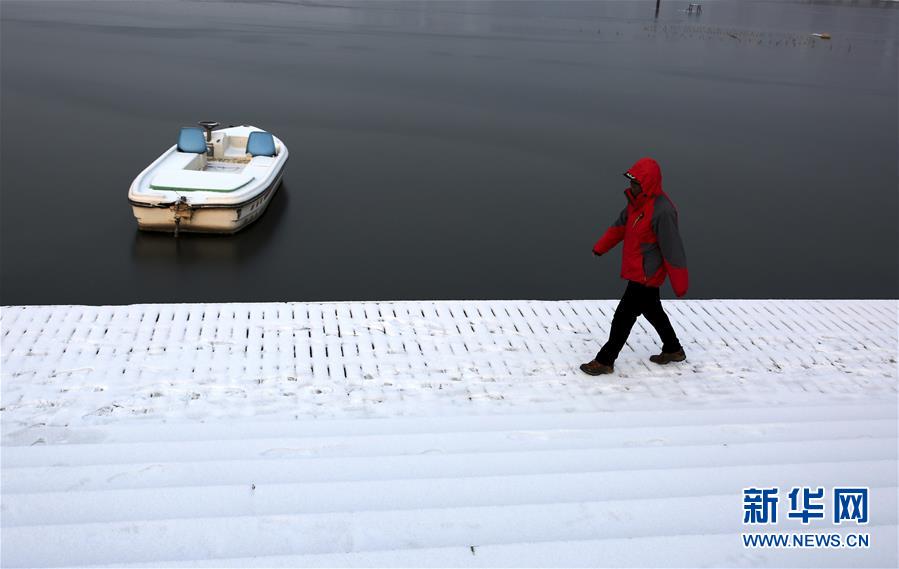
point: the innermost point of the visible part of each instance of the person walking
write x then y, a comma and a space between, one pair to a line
652, 249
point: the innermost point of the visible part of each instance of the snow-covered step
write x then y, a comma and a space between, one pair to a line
679, 550
409, 493
354, 531
465, 442
146, 431
236, 472
410, 501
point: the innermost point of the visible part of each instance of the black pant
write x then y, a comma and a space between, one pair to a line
637, 300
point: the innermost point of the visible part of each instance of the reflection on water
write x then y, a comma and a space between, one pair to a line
196, 249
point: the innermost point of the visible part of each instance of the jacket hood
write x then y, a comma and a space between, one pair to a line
647, 172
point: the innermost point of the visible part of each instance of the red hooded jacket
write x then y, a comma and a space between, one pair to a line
648, 226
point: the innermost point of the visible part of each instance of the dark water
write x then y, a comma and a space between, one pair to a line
453, 149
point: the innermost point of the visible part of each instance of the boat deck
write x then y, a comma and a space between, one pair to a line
227, 177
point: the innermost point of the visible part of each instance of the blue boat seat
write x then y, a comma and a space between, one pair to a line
192, 140
261, 143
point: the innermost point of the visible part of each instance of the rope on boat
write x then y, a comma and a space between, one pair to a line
178, 209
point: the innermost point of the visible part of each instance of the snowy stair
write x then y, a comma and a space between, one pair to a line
461, 491
435, 433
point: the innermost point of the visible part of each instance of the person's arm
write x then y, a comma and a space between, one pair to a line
673, 255
613, 235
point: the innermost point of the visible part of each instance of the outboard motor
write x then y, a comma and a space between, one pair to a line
209, 126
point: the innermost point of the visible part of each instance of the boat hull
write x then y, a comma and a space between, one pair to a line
181, 217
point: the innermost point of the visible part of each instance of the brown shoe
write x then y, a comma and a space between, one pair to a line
668, 357
596, 368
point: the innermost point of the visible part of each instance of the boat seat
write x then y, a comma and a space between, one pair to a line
199, 181
192, 140
261, 143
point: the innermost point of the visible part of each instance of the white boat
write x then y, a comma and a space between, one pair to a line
219, 181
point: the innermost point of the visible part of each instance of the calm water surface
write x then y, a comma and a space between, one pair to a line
453, 149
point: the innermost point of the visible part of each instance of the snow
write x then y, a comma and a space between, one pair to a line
436, 433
